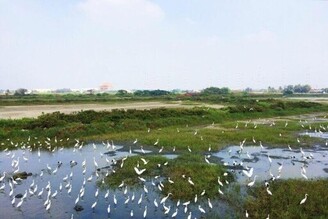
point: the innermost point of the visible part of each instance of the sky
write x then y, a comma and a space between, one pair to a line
163, 44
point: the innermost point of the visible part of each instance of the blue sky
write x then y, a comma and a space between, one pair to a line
163, 44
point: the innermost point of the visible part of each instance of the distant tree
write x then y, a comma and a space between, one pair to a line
302, 88
271, 90
215, 90
288, 90
325, 90
20, 92
121, 92
151, 93
248, 90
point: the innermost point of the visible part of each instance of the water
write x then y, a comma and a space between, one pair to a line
314, 161
62, 206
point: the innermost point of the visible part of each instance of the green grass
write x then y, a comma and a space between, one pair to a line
203, 175
285, 201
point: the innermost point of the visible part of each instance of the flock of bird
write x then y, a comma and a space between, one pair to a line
49, 191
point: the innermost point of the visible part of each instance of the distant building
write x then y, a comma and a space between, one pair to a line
105, 87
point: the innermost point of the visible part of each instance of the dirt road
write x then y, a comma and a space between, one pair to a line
32, 111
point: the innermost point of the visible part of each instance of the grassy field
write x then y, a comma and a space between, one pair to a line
271, 122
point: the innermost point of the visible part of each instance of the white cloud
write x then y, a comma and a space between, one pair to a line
122, 14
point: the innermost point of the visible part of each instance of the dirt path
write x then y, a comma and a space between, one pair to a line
32, 111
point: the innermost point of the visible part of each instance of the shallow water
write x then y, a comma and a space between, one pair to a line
314, 161
62, 205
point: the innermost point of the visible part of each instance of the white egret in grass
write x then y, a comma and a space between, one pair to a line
135, 141
190, 181
246, 214
139, 172
268, 191
156, 143
304, 199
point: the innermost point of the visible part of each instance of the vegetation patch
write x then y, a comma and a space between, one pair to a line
286, 198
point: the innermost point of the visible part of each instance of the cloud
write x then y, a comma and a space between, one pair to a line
122, 14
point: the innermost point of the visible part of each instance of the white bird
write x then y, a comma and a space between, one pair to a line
48, 206
165, 198
20, 203
77, 199
139, 172
253, 182
94, 205
135, 141
114, 199
108, 209
145, 189
54, 194
190, 181
145, 212
201, 209
107, 193
156, 143
209, 203
248, 173
140, 199
175, 213
304, 199
268, 191
155, 203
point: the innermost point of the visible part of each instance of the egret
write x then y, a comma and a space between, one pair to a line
165, 198
268, 191
48, 206
175, 213
201, 209
20, 203
155, 203
139, 172
94, 205
108, 209
190, 181
253, 182
209, 203
304, 199
145, 212
140, 200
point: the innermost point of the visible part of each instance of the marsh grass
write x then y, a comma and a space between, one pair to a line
285, 201
203, 175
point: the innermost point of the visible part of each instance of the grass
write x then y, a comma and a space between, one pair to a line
285, 201
128, 174
186, 164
